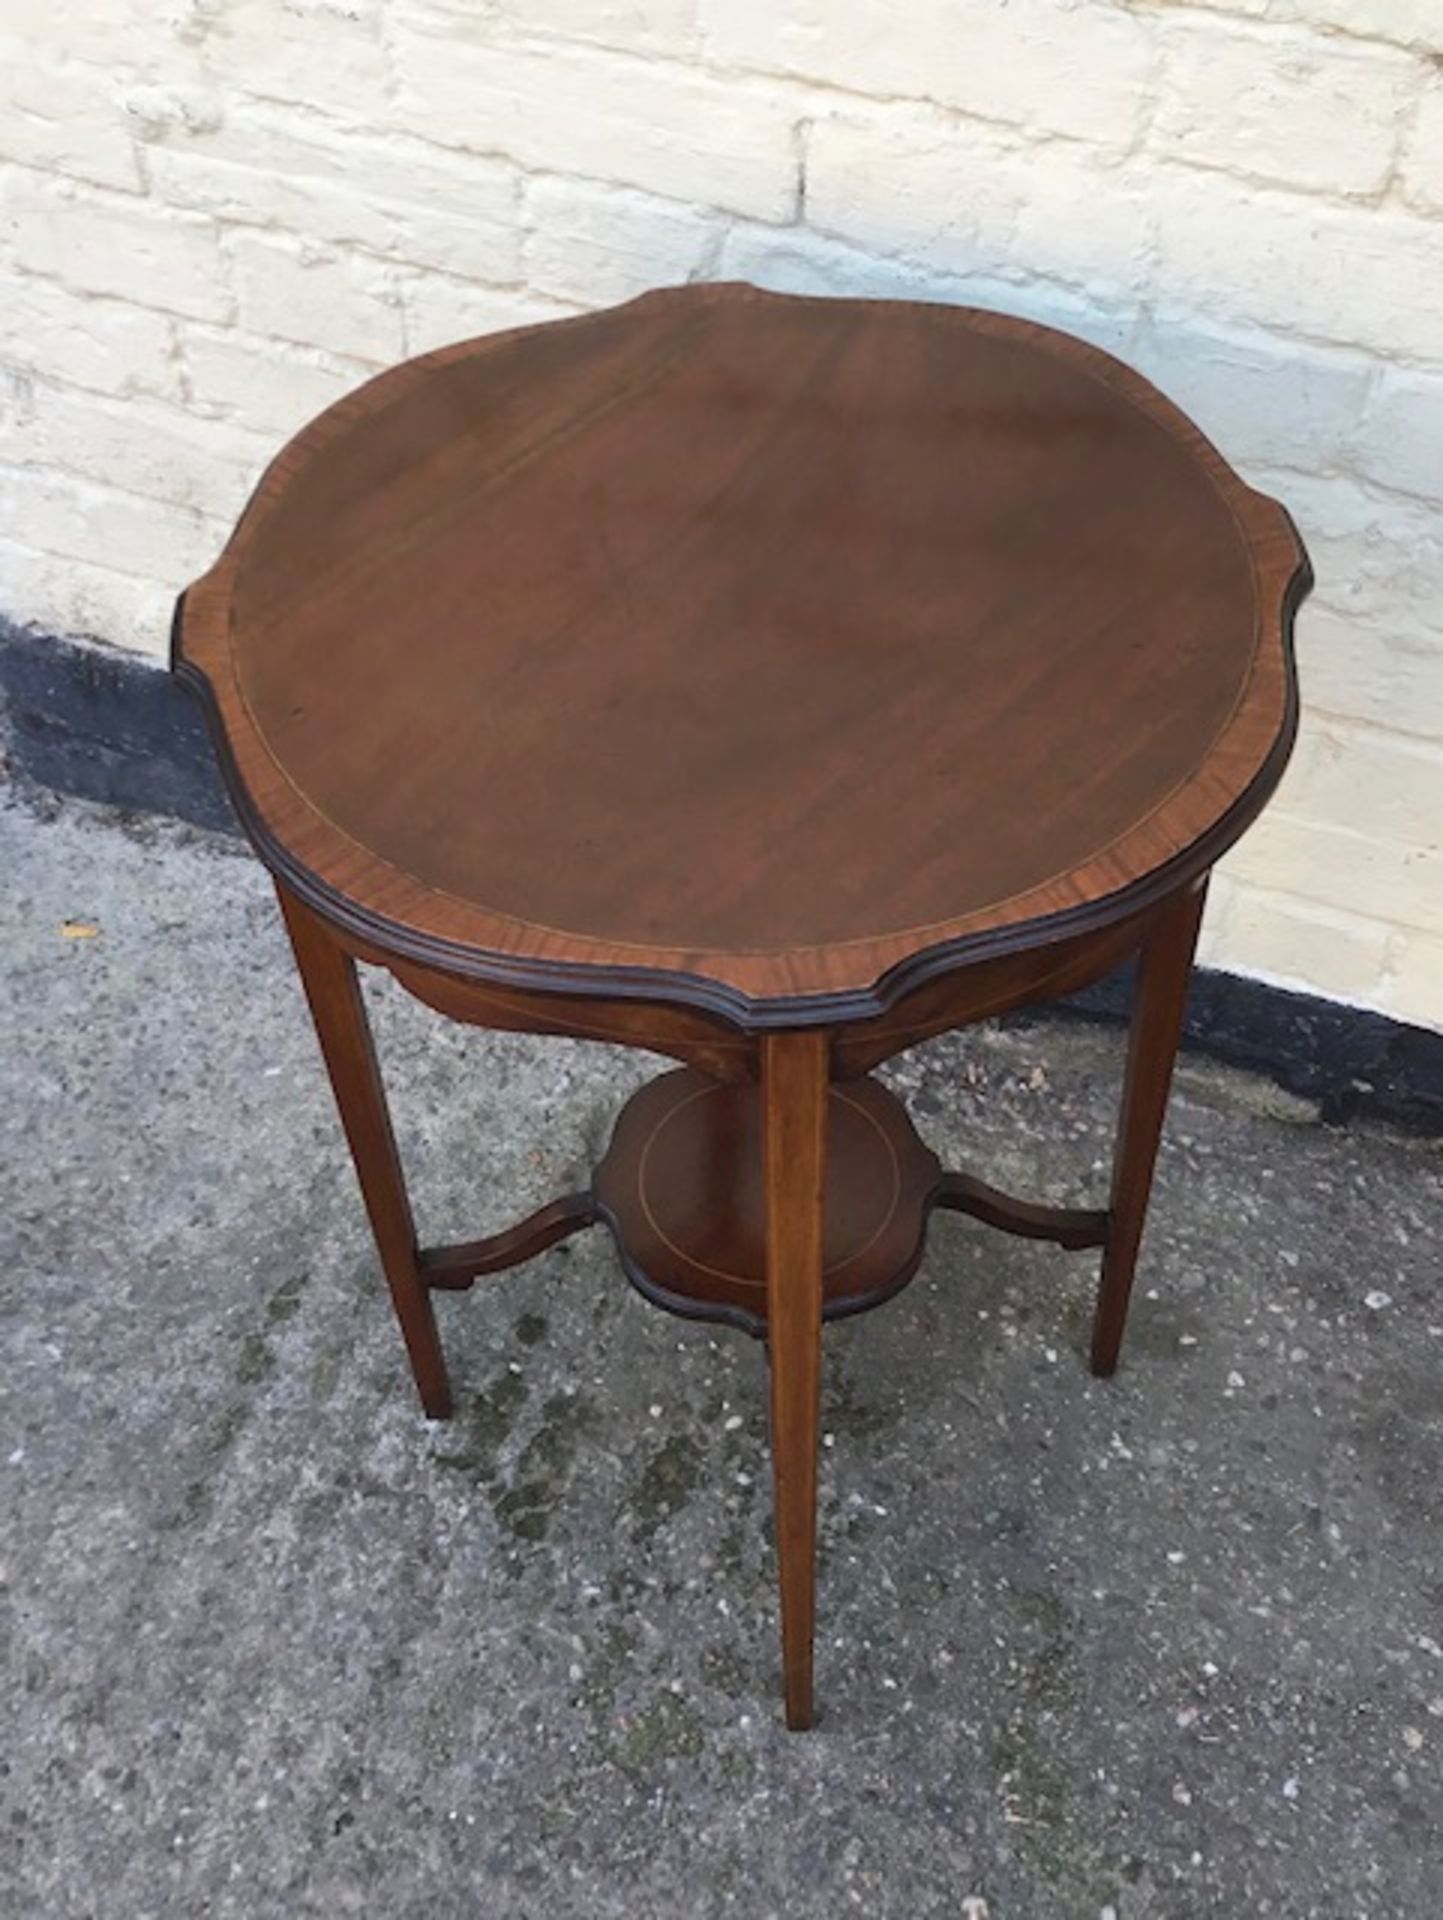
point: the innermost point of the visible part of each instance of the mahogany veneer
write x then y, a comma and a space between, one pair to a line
770, 683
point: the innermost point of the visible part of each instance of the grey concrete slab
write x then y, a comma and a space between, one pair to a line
1166, 1646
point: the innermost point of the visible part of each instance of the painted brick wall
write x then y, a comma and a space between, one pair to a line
215, 215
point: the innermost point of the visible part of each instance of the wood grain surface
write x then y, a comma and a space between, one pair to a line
764, 655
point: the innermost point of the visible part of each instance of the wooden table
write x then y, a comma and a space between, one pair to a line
769, 683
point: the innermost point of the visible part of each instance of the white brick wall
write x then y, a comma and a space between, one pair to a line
216, 215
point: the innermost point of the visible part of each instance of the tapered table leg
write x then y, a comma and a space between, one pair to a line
328, 974
794, 1094
1162, 983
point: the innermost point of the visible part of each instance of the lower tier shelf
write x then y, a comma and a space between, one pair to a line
680, 1187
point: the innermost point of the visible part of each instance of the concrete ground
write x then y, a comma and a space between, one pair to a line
1166, 1646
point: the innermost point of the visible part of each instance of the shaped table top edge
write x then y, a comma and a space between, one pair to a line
758, 990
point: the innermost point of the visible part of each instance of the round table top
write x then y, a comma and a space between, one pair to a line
751, 651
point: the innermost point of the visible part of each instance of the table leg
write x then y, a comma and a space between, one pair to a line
328, 974
794, 1094
1161, 996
